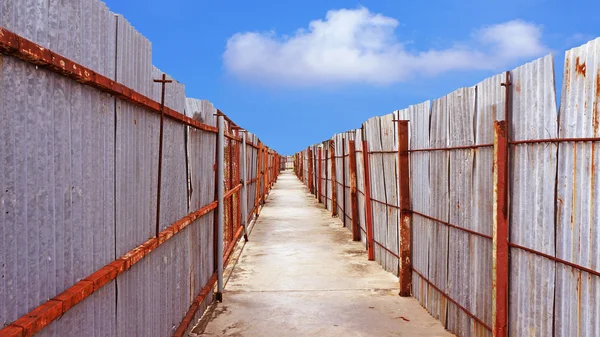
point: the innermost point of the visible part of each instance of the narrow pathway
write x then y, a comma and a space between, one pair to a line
302, 275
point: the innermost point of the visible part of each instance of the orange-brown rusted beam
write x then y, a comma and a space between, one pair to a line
28, 51
319, 183
40, 317
310, 171
353, 193
500, 232
344, 181
405, 266
195, 306
229, 193
258, 176
368, 215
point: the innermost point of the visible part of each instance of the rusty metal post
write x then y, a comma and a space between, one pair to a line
220, 206
405, 269
163, 82
500, 258
244, 193
353, 192
344, 180
319, 183
368, 215
257, 184
333, 180
229, 201
265, 176
310, 170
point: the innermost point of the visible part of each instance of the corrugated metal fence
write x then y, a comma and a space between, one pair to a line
500, 192
107, 217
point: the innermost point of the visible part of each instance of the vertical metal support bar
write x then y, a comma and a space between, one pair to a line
353, 192
320, 168
500, 232
229, 201
257, 183
220, 206
163, 81
310, 171
326, 173
265, 164
344, 180
244, 198
405, 274
333, 180
368, 211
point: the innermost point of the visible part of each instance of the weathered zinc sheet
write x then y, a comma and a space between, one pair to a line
56, 151
578, 237
360, 184
348, 136
490, 106
389, 144
152, 286
532, 277
439, 208
460, 107
372, 133
422, 228
201, 147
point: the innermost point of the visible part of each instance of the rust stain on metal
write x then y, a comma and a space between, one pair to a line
580, 67
28, 51
353, 192
500, 229
368, 206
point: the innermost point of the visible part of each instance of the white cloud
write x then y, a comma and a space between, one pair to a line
358, 46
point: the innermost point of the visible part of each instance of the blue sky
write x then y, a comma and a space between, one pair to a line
295, 73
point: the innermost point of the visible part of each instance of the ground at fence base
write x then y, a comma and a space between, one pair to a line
302, 275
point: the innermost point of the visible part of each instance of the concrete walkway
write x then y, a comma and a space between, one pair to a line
302, 275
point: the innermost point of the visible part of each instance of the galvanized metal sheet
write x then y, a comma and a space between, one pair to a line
578, 237
56, 147
377, 133
422, 228
460, 106
532, 220
439, 207
360, 184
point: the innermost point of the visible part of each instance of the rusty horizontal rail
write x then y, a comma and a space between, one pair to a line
338, 157
555, 140
556, 259
40, 317
386, 249
451, 225
231, 245
233, 137
383, 152
232, 191
344, 186
28, 51
385, 203
189, 316
477, 319
465, 147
